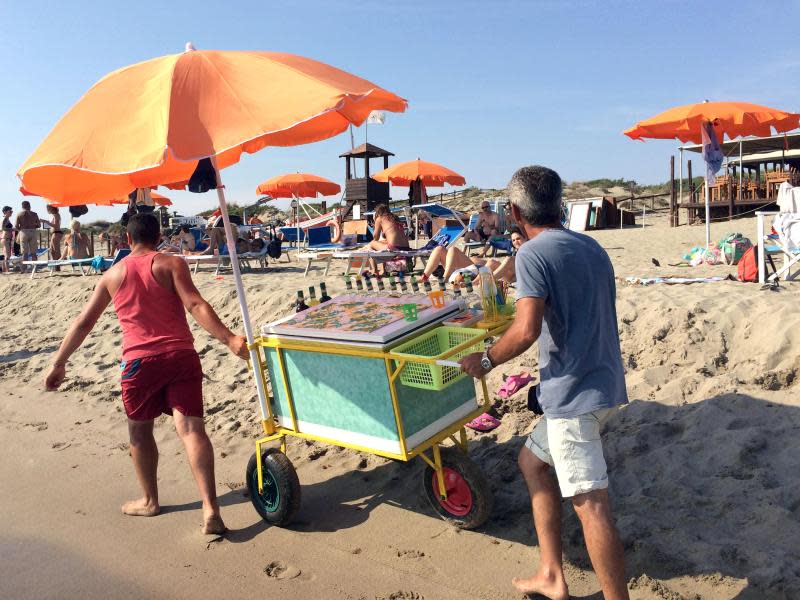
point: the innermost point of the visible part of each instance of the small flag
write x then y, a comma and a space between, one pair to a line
376, 117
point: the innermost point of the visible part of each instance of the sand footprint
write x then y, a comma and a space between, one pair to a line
278, 569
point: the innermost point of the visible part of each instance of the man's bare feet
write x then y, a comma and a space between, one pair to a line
141, 508
549, 585
214, 525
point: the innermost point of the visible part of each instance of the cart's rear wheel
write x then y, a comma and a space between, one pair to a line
280, 500
469, 497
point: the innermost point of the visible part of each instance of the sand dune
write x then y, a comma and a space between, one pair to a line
703, 460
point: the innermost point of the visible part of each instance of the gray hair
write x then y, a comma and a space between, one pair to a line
536, 192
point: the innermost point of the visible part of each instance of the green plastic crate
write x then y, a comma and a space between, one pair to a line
434, 344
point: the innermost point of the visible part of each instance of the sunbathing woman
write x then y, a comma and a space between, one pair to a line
394, 233
456, 264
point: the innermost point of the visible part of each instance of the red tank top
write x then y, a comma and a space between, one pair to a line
153, 319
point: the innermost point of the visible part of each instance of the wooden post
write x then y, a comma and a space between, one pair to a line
673, 221
730, 197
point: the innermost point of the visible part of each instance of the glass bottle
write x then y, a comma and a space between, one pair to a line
348, 283
381, 287
392, 283
300, 304
414, 285
312, 296
359, 284
323, 292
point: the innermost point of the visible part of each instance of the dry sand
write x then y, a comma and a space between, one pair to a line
703, 461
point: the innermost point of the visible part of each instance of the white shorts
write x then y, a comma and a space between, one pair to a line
573, 447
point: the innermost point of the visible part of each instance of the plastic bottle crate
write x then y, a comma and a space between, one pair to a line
434, 344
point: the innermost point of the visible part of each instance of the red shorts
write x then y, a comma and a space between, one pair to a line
158, 384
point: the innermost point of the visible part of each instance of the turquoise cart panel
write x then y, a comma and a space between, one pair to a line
419, 408
346, 393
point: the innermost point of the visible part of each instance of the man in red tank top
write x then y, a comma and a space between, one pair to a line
161, 371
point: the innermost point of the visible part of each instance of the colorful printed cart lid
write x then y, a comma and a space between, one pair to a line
362, 319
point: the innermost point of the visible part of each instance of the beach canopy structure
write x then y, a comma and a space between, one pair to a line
431, 174
732, 119
156, 122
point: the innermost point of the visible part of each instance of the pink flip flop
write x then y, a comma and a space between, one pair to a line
513, 384
484, 422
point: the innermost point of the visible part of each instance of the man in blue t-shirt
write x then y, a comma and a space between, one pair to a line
566, 301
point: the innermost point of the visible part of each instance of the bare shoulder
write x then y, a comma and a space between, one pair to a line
170, 263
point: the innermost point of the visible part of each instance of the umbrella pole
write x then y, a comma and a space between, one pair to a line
237, 277
708, 215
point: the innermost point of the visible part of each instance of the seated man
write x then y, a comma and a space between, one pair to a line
487, 225
456, 263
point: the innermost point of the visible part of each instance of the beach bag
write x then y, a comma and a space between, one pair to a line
733, 248
274, 249
748, 265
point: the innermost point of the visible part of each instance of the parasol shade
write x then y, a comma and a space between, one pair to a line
431, 174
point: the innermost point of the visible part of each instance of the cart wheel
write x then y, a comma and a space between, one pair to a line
280, 501
469, 497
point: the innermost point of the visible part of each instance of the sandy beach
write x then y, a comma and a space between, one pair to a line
703, 461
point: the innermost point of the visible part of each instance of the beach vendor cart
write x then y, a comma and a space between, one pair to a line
376, 374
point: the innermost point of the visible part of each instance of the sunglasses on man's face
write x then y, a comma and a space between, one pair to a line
484, 208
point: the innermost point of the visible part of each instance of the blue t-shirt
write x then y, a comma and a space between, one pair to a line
579, 355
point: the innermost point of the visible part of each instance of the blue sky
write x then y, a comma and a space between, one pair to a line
491, 85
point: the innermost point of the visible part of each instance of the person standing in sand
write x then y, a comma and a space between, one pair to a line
161, 370
566, 300
27, 224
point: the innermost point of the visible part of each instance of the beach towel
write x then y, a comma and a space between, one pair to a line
672, 280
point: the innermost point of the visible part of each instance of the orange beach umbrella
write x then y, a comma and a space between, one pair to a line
431, 174
299, 185
151, 123
733, 119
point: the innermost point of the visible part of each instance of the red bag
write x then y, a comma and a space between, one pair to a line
748, 265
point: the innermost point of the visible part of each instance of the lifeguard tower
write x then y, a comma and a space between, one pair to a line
364, 191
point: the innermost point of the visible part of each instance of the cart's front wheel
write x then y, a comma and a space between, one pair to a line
469, 497
280, 499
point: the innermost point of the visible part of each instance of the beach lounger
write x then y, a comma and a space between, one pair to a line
195, 260
81, 264
785, 243
320, 248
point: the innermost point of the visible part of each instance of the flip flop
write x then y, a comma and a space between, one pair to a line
513, 384
484, 422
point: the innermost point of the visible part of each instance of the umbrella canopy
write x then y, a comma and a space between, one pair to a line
300, 185
150, 123
431, 174
733, 119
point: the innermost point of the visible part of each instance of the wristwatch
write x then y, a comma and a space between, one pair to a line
486, 362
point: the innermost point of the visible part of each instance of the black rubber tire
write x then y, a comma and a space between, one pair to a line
458, 461
278, 469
